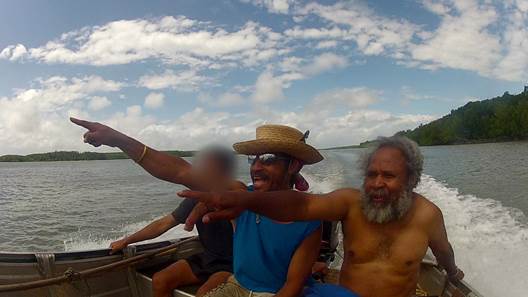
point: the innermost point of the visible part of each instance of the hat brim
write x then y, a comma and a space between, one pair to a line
299, 150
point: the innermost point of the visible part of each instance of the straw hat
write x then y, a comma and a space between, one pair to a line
280, 139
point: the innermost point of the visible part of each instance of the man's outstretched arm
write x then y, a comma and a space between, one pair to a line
161, 165
278, 205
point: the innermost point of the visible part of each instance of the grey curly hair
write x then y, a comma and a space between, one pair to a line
409, 149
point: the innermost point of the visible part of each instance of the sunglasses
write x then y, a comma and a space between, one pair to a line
266, 159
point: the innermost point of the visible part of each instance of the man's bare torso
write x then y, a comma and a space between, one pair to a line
383, 260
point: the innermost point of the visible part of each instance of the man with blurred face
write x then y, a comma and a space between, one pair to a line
215, 264
387, 227
270, 257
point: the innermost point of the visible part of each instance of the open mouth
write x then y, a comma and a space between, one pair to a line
259, 180
378, 199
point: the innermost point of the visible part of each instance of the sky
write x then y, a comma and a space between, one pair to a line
183, 74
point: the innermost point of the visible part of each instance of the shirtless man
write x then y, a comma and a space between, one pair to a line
387, 227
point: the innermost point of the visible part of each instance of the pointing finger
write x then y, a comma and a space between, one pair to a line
200, 196
86, 124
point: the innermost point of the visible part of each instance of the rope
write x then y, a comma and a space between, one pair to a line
71, 275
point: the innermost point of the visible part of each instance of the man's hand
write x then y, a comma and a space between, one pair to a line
456, 276
118, 245
99, 134
213, 206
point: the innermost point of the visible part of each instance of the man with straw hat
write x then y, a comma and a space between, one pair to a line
270, 258
273, 258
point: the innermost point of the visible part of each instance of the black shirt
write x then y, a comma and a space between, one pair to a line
216, 237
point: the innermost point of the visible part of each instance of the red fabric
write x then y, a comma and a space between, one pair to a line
301, 184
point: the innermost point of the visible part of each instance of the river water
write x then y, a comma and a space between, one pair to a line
482, 190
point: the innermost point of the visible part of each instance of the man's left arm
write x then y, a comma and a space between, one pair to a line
301, 265
441, 247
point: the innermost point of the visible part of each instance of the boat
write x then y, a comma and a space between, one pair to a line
96, 273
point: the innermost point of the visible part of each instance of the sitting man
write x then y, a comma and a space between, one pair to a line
387, 227
269, 257
215, 264
273, 258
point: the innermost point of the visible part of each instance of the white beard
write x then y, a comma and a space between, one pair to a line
387, 213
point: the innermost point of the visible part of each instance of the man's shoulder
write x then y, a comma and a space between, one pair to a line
351, 195
426, 209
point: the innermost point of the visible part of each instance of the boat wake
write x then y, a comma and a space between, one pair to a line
87, 241
490, 242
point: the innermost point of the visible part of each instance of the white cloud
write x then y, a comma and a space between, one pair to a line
268, 88
187, 80
324, 62
36, 119
353, 98
154, 100
226, 99
463, 40
172, 40
13, 52
230, 99
98, 103
326, 44
274, 6
373, 34
28, 125
57, 91
486, 37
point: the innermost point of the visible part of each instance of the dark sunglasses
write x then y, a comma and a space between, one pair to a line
266, 159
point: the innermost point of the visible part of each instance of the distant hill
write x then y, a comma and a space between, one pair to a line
77, 156
502, 118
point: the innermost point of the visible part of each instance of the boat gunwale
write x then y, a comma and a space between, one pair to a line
30, 257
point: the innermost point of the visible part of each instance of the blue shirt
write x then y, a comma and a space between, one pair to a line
263, 248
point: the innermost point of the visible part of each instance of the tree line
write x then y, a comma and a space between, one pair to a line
503, 118
77, 156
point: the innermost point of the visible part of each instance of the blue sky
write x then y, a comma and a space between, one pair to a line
181, 74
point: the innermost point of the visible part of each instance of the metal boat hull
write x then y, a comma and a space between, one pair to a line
135, 281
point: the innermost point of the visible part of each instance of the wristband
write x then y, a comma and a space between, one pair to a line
142, 155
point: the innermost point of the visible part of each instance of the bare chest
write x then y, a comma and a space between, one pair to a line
401, 246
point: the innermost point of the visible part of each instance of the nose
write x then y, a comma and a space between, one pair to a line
379, 182
256, 165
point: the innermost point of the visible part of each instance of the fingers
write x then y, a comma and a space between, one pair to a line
89, 137
224, 214
113, 248
86, 124
196, 214
200, 196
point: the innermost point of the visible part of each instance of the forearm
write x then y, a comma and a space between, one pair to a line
301, 265
151, 231
158, 164
279, 205
446, 259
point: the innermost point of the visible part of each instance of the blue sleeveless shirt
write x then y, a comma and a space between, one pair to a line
263, 248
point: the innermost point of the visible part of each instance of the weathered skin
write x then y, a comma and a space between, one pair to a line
384, 259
